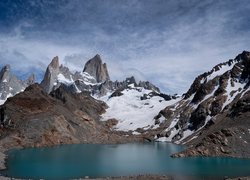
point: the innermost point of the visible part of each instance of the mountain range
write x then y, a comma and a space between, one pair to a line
211, 118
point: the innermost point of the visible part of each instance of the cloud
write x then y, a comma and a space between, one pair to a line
166, 42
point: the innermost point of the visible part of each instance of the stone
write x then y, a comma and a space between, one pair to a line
50, 76
97, 69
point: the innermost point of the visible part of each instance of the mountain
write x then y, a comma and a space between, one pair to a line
34, 118
132, 105
97, 69
94, 78
213, 115
133, 109
10, 85
211, 118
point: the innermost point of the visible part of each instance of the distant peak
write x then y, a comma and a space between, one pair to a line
97, 56
54, 63
50, 75
5, 72
31, 79
6, 67
97, 69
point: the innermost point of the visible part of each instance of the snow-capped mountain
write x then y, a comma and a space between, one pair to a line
94, 78
132, 105
57, 74
134, 108
10, 85
211, 99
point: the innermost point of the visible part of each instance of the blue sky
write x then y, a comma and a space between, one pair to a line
168, 42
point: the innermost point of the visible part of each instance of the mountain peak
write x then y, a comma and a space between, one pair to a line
4, 73
31, 79
50, 75
97, 69
55, 62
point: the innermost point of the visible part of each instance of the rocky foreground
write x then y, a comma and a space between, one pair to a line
34, 118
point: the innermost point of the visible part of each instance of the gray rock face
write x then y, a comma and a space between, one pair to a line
31, 79
10, 85
97, 69
51, 74
94, 78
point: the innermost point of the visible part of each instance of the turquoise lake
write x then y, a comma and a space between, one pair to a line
74, 161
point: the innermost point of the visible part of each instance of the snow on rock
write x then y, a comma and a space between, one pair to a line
88, 79
132, 112
222, 70
232, 90
206, 97
62, 79
2, 102
162, 139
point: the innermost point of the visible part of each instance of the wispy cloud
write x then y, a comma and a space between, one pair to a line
166, 42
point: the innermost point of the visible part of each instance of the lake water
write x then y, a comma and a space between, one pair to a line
74, 161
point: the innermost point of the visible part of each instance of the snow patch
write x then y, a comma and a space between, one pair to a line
186, 134
222, 70
235, 89
135, 133
62, 79
131, 112
2, 101
5, 81
173, 132
206, 97
162, 139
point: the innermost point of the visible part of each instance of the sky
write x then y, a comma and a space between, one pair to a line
167, 42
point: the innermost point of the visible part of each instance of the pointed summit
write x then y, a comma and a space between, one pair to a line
54, 63
97, 69
31, 79
50, 75
5, 73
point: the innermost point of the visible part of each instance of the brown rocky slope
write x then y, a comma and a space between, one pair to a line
33, 119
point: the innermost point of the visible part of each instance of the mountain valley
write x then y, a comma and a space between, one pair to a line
87, 107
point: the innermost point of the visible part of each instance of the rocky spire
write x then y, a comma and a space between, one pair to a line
10, 85
50, 75
5, 73
31, 79
97, 69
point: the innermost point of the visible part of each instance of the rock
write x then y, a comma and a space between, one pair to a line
198, 117
227, 132
111, 122
148, 85
97, 69
116, 93
10, 85
50, 76
31, 79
